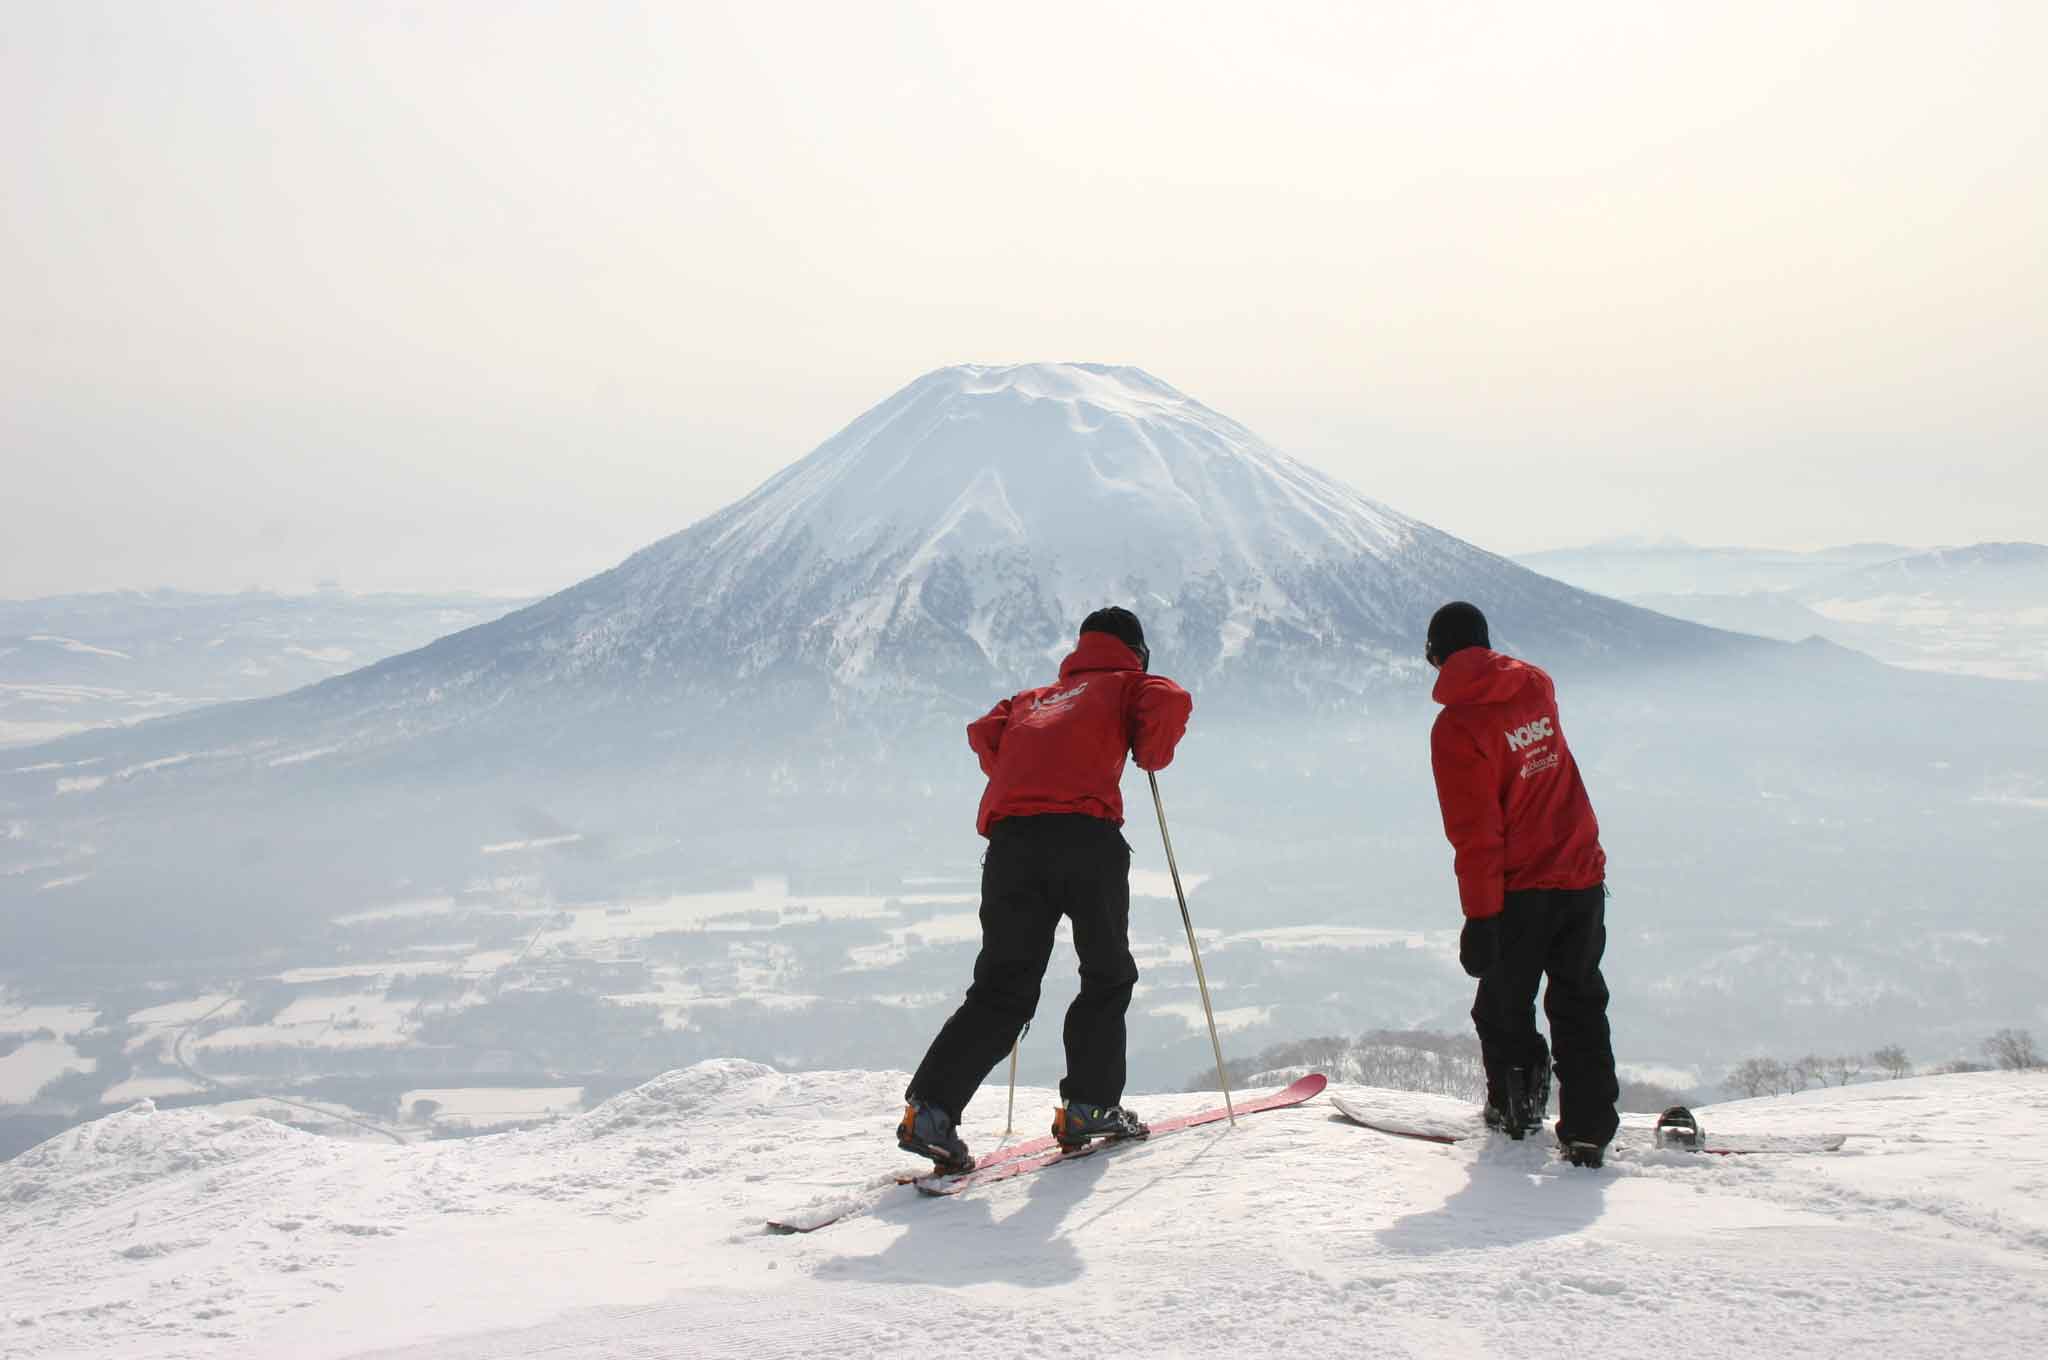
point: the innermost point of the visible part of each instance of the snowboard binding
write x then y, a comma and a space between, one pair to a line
1678, 1127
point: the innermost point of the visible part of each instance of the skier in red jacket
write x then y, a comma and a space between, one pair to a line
1054, 757
1532, 879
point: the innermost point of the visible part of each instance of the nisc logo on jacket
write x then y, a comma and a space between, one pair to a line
1529, 732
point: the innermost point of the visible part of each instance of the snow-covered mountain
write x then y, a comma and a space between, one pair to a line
636, 1229
946, 543
938, 551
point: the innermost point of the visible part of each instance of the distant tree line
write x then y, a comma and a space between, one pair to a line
2013, 1050
2010, 1050
1396, 1060
1401, 1060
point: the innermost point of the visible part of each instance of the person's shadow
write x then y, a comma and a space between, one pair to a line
959, 1240
1516, 1193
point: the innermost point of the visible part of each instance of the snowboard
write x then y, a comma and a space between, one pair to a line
1307, 1088
1467, 1127
1032, 1154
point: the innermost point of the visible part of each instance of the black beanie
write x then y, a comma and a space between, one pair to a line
1119, 623
1454, 628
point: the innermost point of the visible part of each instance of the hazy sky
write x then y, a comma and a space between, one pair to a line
488, 295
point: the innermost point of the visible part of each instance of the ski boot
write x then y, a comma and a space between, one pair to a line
1076, 1123
1525, 1095
928, 1131
1678, 1127
1536, 1091
1581, 1153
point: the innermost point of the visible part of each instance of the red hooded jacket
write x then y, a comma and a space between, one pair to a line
1061, 748
1514, 806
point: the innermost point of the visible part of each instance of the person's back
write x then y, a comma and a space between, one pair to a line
1531, 882
1060, 748
1054, 758
1508, 782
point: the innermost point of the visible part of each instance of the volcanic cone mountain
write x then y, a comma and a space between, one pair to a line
944, 545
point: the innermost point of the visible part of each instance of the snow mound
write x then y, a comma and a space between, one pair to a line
94, 1164
672, 1098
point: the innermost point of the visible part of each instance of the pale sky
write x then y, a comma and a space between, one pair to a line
488, 295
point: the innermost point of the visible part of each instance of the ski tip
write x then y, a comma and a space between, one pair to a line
1310, 1085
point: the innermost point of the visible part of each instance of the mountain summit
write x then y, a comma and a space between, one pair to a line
946, 543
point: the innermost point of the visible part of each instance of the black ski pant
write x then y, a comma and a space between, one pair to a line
1559, 933
1037, 870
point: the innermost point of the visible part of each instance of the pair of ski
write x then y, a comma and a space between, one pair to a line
1466, 1127
1035, 1154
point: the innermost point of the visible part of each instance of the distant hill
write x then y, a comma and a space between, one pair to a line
1626, 569
72, 662
1975, 610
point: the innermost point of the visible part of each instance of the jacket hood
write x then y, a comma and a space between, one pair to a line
1099, 652
1477, 676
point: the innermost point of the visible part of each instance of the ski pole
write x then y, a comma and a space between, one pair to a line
1194, 953
1010, 1118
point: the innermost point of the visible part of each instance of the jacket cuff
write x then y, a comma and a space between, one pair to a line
1481, 899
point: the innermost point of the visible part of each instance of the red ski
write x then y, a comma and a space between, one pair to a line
1030, 1147
1018, 1163
1015, 1160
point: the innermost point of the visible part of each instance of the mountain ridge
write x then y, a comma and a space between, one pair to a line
946, 542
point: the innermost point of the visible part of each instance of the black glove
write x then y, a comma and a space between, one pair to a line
1479, 945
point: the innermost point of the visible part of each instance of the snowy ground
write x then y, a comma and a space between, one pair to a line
635, 1231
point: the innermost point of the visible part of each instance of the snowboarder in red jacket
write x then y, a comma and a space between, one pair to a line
1054, 757
1532, 880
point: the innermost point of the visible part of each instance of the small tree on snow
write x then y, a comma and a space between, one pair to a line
1845, 1069
1757, 1077
1892, 1061
2013, 1050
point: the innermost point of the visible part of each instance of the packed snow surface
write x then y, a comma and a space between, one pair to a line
636, 1229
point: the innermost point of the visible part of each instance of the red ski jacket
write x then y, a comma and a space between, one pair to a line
1061, 748
1514, 807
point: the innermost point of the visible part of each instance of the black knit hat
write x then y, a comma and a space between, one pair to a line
1454, 628
1122, 624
